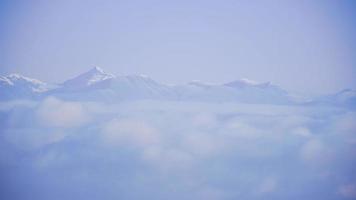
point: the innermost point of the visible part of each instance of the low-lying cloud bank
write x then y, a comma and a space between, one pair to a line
56, 149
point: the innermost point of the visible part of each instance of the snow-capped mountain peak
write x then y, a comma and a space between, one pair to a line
91, 77
97, 85
15, 86
97, 69
19, 81
17, 78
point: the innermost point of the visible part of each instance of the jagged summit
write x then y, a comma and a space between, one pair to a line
93, 76
12, 79
98, 85
15, 86
17, 80
97, 69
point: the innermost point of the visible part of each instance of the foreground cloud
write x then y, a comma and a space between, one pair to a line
175, 150
130, 132
57, 113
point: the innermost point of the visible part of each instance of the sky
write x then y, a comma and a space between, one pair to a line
303, 46
64, 144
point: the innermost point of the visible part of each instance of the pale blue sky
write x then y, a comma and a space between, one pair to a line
303, 46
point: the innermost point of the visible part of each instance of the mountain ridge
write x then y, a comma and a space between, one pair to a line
98, 85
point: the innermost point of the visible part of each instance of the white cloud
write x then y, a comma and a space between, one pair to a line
202, 144
240, 129
205, 120
130, 132
53, 112
171, 149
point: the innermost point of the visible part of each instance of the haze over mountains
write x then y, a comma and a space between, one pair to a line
97, 85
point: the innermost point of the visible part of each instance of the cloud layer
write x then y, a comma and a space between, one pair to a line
56, 149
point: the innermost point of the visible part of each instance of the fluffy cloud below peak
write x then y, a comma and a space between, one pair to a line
130, 132
53, 112
171, 150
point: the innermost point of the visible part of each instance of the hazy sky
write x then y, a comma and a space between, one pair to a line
303, 46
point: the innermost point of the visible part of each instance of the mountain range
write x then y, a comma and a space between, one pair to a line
97, 85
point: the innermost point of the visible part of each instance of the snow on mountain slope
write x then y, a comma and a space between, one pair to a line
17, 86
254, 92
200, 91
94, 78
243, 91
141, 86
97, 85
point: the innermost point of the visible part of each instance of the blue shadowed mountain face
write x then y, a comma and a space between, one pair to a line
101, 136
